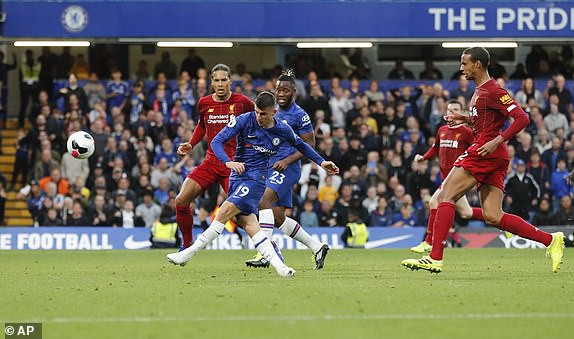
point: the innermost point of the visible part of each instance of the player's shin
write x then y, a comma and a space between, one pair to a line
205, 238
430, 226
442, 224
516, 225
267, 222
477, 214
184, 220
295, 231
266, 249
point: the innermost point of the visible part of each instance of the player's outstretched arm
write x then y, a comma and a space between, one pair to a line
330, 167
184, 148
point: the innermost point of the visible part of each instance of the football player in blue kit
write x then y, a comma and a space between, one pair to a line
284, 173
259, 136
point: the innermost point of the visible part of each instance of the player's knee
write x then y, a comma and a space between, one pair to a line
465, 214
264, 204
279, 219
491, 218
182, 199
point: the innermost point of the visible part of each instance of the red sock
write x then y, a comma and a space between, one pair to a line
443, 222
477, 214
516, 225
455, 237
184, 220
430, 226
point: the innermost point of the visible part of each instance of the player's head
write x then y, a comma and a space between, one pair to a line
265, 110
221, 81
454, 109
473, 61
285, 88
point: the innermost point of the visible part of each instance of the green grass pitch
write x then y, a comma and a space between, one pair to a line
482, 293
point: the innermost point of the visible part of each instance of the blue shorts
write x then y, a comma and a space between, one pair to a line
282, 183
246, 194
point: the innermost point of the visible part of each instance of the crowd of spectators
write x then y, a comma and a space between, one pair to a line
371, 133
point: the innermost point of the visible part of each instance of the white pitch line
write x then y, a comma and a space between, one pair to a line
303, 318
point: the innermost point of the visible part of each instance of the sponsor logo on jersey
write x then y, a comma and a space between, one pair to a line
449, 144
505, 99
264, 150
218, 119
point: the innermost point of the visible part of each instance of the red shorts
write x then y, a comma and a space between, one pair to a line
487, 171
209, 173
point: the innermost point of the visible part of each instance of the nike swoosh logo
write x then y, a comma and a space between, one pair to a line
132, 244
383, 242
251, 136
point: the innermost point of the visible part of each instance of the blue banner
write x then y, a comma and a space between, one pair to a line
109, 238
74, 238
289, 20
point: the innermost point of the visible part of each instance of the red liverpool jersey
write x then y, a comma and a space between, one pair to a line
214, 115
449, 144
490, 106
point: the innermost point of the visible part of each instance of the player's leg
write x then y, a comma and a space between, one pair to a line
190, 190
457, 183
426, 244
263, 245
294, 230
466, 211
491, 201
224, 214
266, 222
266, 215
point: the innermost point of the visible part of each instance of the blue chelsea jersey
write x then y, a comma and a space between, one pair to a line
299, 121
256, 145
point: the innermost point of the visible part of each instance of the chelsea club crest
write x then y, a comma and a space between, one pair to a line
74, 18
276, 141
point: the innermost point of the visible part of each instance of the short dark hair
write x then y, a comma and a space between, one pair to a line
455, 102
480, 54
265, 100
221, 67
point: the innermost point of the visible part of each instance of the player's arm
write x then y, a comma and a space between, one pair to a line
282, 164
521, 120
196, 137
228, 132
310, 153
432, 152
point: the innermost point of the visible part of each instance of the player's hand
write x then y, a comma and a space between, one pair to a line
456, 119
490, 146
570, 178
280, 165
330, 167
419, 158
184, 148
238, 167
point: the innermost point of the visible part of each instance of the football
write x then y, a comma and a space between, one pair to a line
81, 145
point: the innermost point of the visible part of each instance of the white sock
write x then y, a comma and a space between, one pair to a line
267, 222
264, 246
205, 238
292, 228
